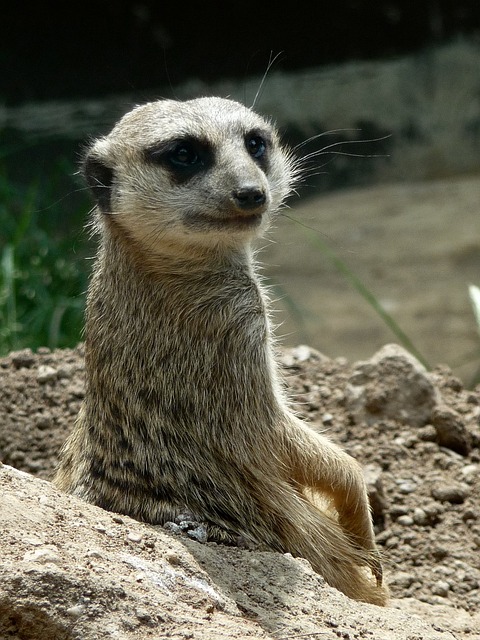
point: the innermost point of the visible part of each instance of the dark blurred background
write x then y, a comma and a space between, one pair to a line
394, 83
67, 50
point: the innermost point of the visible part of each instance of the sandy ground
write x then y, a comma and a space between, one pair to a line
416, 246
71, 571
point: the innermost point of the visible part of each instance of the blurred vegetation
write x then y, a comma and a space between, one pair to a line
43, 270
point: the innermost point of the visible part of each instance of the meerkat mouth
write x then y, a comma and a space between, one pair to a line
240, 221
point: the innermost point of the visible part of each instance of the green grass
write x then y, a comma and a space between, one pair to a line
43, 271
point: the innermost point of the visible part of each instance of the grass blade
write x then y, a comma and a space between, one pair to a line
363, 290
8, 297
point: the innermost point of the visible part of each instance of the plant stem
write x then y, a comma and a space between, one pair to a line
362, 289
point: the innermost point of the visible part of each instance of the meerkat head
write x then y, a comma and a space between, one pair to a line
208, 171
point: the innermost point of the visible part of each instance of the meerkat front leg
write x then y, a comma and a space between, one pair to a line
319, 464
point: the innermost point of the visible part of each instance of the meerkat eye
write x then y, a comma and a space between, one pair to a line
184, 154
183, 158
256, 146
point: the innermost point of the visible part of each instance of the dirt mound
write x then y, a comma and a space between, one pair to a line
71, 570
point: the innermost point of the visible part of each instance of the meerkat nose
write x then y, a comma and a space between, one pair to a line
249, 197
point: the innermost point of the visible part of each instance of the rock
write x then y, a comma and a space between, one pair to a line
453, 493
134, 536
406, 486
420, 516
46, 374
294, 356
470, 472
441, 588
44, 555
173, 527
24, 358
402, 579
124, 591
451, 430
198, 533
376, 494
392, 384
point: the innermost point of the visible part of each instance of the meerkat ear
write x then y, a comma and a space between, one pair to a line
99, 178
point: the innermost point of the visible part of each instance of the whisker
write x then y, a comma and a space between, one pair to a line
271, 62
339, 143
321, 135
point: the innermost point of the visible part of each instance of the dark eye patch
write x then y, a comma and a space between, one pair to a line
257, 144
182, 157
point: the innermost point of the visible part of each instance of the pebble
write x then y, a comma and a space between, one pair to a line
34, 541
302, 353
470, 473
398, 510
17, 456
100, 528
433, 511
199, 534
403, 580
405, 521
77, 390
420, 517
455, 494
428, 433
172, 527
439, 552
42, 556
45, 501
76, 611
441, 588
392, 542
407, 487
172, 558
144, 616
24, 358
43, 422
65, 371
46, 374
134, 537
451, 430
470, 515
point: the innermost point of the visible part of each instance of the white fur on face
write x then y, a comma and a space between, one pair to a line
157, 209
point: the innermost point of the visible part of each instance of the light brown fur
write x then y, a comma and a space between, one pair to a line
184, 408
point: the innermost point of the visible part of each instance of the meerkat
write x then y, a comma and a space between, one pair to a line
185, 409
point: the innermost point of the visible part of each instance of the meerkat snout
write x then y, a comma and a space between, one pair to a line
249, 197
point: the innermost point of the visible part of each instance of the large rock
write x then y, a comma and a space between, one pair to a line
70, 570
392, 384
